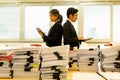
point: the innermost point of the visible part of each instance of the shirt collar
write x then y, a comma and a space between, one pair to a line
71, 22
54, 22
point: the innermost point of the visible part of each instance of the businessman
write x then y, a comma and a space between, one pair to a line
69, 33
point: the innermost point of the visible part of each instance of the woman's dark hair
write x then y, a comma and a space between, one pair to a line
60, 18
72, 11
56, 13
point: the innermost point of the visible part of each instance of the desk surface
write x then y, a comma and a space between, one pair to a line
70, 74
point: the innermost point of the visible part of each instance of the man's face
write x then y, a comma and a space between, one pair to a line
74, 17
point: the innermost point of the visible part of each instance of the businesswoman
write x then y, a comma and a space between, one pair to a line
54, 37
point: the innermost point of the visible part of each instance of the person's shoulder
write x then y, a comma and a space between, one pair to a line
58, 25
66, 24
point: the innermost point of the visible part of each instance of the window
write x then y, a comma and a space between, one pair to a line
97, 17
36, 16
63, 12
116, 23
9, 23
95, 20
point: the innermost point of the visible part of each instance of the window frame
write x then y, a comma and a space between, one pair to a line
111, 21
80, 20
23, 21
115, 4
11, 5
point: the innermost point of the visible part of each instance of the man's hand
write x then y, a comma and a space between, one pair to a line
80, 37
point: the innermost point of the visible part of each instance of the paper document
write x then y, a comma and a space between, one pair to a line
40, 31
86, 76
110, 75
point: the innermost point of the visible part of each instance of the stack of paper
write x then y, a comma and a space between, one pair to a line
110, 75
111, 59
24, 60
110, 63
6, 65
54, 65
6, 70
73, 60
88, 59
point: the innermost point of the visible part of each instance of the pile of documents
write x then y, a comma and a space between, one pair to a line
88, 59
73, 60
111, 59
23, 60
6, 64
110, 63
54, 65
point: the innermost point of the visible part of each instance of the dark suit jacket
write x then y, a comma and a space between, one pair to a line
54, 37
70, 36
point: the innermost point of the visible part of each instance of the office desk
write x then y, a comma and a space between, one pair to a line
70, 75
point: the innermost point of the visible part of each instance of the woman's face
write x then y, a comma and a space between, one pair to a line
53, 18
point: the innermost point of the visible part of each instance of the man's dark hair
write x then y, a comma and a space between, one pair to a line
72, 11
